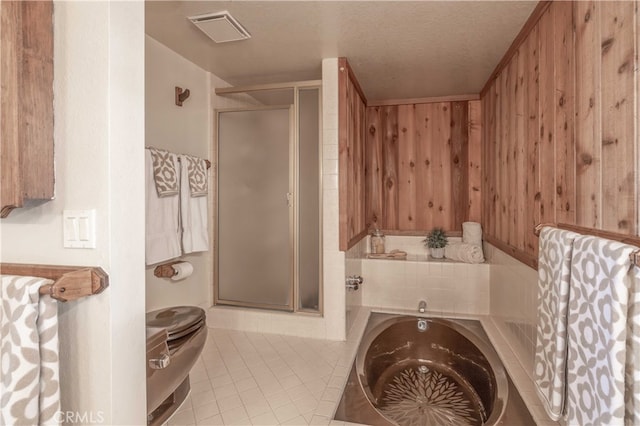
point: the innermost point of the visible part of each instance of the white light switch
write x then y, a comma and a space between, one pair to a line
79, 228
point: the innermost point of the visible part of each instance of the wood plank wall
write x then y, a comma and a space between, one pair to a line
560, 131
351, 157
422, 166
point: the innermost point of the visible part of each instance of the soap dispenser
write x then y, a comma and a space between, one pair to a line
377, 242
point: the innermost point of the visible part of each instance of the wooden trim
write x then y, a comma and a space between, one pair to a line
527, 259
416, 233
272, 86
623, 238
343, 63
429, 100
522, 35
343, 166
355, 240
71, 282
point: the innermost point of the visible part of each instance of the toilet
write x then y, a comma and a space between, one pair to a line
175, 339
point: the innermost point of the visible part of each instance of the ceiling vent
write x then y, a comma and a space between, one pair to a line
221, 27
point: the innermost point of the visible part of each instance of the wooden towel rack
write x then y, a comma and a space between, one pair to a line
71, 282
627, 239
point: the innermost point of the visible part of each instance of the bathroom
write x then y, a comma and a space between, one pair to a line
109, 104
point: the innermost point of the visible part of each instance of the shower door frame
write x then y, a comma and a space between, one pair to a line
292, 209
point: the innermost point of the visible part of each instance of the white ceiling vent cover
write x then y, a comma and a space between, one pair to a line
221, 27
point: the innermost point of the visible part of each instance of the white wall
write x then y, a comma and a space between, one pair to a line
98, 107
183, 130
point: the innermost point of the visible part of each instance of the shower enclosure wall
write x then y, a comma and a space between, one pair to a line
268, 209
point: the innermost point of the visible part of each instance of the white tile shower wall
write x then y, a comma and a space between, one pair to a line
332, 325
353, 266
513, 303
446, 286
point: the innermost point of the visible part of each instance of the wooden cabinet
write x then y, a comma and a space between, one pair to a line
26, 93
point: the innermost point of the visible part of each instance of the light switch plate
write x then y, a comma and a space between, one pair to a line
79, 228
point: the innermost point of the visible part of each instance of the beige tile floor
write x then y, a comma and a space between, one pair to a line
245, 378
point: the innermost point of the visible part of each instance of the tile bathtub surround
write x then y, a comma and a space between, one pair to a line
245, 378
513, 304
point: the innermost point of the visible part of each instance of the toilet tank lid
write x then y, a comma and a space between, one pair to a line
176, 318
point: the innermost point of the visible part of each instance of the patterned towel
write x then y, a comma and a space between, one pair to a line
597, 334
164, 172
554, 270
632, 371
30, 387
197, 168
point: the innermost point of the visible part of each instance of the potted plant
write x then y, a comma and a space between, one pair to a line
436, 241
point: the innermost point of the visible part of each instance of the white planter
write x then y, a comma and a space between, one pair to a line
437, 253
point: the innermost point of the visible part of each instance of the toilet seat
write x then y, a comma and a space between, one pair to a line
179, 321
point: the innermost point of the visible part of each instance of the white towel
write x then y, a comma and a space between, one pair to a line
461, 252
30, 385
472, 233
162, 228
554, 275
194, 215
597, 331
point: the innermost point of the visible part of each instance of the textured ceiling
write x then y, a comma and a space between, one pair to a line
397, 49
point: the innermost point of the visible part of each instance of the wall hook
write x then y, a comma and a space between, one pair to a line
181, 95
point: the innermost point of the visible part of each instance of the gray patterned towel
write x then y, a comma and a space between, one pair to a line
29, 386
601, 281
632, 370
197, 168
164, 172
554, 273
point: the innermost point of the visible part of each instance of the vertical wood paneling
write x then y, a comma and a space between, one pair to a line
424, 183
588, 107
406, 167
373, 168
532, 215
441, 155
390, 196
618, 117
519, 153
459, 163
564, 112
351, 158
546, 144
475, 131
576, 123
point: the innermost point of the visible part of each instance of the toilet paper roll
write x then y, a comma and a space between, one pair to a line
183, 270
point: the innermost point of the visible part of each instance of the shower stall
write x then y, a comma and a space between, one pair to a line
268, 220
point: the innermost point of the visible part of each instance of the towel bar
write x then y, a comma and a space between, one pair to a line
71, 282
627, 239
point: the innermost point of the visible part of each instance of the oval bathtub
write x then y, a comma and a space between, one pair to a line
445, 374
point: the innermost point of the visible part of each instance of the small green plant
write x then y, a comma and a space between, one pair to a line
436, 238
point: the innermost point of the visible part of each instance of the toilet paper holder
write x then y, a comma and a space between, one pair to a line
166, 270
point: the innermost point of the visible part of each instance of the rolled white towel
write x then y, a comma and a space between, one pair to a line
472, 233
462, 252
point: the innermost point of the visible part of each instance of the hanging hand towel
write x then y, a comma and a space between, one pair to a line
165, 173
30, 385
554, 274
461, 252
597, 331
198, 178
193, 213
162, 228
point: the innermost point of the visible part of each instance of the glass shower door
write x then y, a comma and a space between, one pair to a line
255, 215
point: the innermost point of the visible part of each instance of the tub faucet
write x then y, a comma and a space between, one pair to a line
422, 306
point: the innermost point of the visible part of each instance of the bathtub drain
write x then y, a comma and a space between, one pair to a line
425, 396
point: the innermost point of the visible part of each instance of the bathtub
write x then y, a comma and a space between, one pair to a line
413, 370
